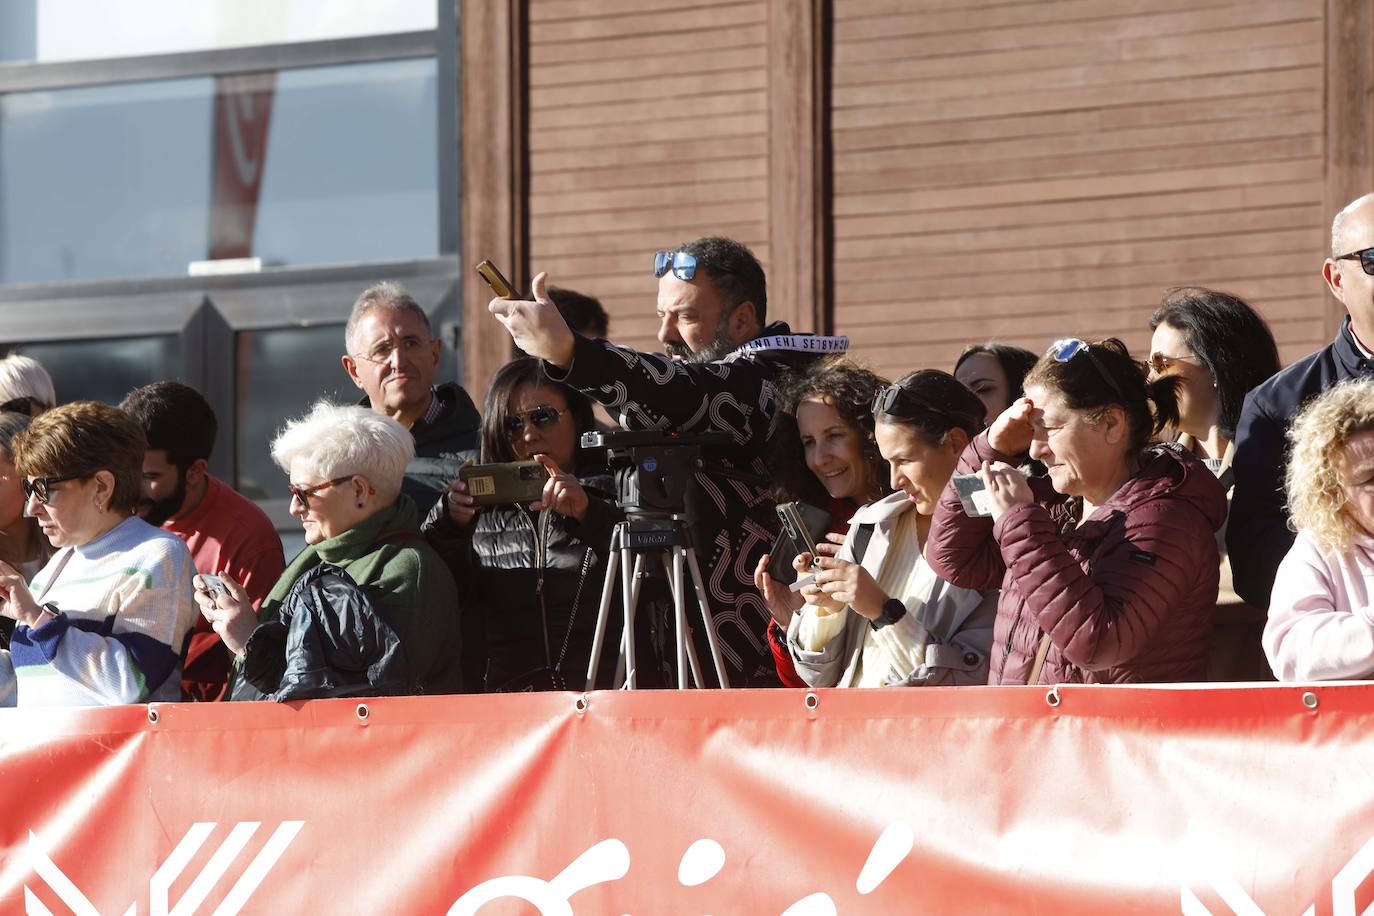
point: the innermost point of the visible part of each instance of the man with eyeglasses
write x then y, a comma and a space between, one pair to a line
393, 356
718, 375
1257, 534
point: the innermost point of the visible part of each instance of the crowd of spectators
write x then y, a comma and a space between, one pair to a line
1074, 515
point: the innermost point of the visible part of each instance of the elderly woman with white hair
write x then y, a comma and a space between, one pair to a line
367, 608
25, 386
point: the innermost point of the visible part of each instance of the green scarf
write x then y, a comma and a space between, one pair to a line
342, 549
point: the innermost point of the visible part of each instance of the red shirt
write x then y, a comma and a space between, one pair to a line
225, 533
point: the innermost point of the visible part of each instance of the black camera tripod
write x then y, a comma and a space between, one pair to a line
669, 538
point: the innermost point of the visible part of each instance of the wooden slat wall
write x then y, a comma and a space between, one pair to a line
1032, 170
648, 126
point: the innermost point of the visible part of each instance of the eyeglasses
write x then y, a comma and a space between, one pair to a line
1365, 256
683, 265
382, 352
540, 417
1159, 362
1061, 351
40, 488
22, 405
304, 493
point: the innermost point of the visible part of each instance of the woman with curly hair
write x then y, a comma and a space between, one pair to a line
1321, 616
829, 460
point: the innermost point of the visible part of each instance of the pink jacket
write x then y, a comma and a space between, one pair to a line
1127, 596
1321, 617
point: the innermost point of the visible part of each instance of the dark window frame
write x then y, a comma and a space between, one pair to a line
207, 313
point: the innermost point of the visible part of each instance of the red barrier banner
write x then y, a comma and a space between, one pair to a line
943, 800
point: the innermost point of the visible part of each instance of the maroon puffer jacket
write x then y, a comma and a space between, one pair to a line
1126, 597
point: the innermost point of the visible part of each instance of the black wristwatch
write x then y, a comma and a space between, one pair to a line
893, 611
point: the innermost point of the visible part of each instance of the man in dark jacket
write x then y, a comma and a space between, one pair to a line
393, 356
1257, 535
718, 376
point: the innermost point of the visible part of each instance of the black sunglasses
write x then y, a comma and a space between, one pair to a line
540, 417
897, 401
1061, 351
683, 265
40, 488
1365, 256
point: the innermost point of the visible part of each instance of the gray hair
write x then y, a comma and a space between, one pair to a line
333, 440
387, 294
24, 377
1338, 224
11, 425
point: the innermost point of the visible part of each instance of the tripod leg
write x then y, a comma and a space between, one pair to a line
603, 613
706, 617
685, 635
680, 612
629, 584
620, 659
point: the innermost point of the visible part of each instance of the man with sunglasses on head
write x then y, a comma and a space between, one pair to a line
393, 356
1257, 534
718, 375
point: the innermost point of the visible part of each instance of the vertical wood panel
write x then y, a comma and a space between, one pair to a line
798, 190
1053, 176
1349, 110
493, 156
646, 131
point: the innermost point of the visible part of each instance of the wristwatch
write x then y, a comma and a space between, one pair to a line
893, 611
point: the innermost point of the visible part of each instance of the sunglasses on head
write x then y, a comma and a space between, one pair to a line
540, 417
683, 265
1365, 256
896, 401
1061, 351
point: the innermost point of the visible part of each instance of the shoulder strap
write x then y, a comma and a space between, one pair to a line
862, 535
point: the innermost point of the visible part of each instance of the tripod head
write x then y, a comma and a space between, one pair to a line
652, 468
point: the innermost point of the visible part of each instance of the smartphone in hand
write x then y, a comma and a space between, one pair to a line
498, 283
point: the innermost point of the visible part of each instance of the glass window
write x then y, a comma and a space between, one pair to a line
282, 372
53, 30
313, 166
106, 370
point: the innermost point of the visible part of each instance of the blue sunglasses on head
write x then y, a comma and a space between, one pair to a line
1061, 351
683, 265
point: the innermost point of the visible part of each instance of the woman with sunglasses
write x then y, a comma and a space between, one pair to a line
530, 577
1109, 566
1216, 348
876, 614
104, 621
826, 457
366, 608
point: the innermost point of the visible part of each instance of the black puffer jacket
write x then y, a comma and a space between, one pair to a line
506, 632
327, 640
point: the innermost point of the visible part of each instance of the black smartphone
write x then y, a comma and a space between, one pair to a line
498, 283
803, 525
